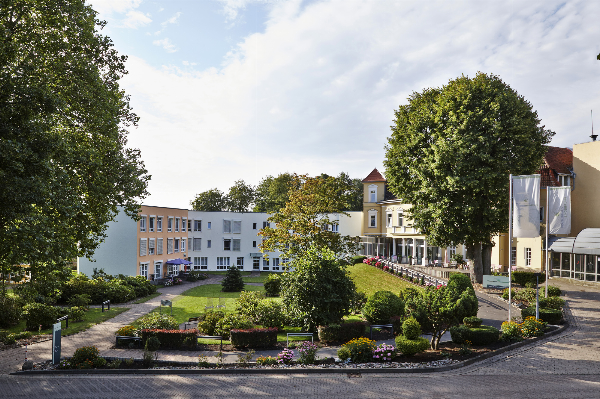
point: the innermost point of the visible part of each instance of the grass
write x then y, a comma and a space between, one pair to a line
369, 279
261, 279
92, 317
147, 298
225, 272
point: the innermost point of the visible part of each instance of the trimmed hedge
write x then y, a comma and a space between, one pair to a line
357, 259
522, 278
381, 306
409, 347
343, 332
552, 302
483, 335
472, 322
254, 338
171, 339
550, 316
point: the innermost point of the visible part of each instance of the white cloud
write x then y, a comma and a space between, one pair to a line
171, 20
316, 91
135, 19
165, 44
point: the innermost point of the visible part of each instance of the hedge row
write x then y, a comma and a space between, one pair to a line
171, 339
343, 332
254, 338
483, 335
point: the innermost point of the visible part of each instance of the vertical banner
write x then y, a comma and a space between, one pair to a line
526, 203
559, 210
56, 330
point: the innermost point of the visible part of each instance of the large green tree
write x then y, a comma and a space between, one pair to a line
211, 200
272, 193
240, 197
450, 155
64, 164
305, 220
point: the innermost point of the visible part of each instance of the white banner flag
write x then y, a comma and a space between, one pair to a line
526, 206
559, 210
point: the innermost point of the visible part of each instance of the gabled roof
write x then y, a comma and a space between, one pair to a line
374, 176
560, 159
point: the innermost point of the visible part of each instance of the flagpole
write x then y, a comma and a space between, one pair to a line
547, 230
510, 246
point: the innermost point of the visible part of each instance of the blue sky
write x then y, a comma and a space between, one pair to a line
242, 89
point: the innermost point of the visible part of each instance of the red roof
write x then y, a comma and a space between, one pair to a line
559, 159
374, 176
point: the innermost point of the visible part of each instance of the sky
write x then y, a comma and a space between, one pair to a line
242, 89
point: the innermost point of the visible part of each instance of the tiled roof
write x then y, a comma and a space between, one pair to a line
559, 159
374, 176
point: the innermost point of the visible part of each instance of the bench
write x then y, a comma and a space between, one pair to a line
212, 337
128, 338
372, 326
191, 321
311, 335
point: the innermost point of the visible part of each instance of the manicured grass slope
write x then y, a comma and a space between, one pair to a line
369, 279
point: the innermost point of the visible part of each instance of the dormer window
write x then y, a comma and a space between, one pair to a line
373, 193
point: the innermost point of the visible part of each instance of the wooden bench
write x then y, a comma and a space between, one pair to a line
372, 326
311, 335
127, 338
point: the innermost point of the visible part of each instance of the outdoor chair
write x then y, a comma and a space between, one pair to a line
221, 303
209, 304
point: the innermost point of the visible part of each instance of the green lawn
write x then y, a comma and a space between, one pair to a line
92, 317
369, 279
261, 279
224, 272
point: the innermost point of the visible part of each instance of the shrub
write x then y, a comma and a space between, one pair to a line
361, 350
127, 331
247, 303
254, 338
357, 259
87, 357
526, 295
168, 338
410, 347
384, 353
532, 327
80, 300
229, 321
381, 306
357, 302
396, 321
344, 353
76, 313
554, 291
209, 323
266, 361
152, 343
39, 313
329, 333
273, 284
511, 331
411, 328
550, 316
552, 302
233, 281
10, 339
505, 294
459, 281
472, 322
11, 310
483, 335
342, 332
308, 352
156, 320
270, 314
522, 278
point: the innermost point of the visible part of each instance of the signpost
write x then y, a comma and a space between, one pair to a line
166, 302
56, 330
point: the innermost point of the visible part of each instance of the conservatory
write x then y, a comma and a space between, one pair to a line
578, 257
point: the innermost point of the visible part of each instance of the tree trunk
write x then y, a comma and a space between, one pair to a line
486, 258
476, 267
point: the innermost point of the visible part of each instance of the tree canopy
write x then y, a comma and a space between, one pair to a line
306, 219
211, 200
240, 197
64, 164
272, 193
450, 155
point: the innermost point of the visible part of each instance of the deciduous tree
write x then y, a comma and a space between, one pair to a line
272, 193
450, 155
211, 200
240, 197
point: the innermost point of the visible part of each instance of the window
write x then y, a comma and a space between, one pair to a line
157, 270
189, 225
169, 245
151, 246
237, 226
177, 245
159, 246
541, 214
372, 193
335, 228
236, 244
226, 226
265, 264
143, 223
183, 245
208, 243
208, 225
198, 225
255, 263
222, 262
159, 224
527, 256
253, 244
144, 270
388, 219
183, 224
372, 218
266, 224
197, 244
240, 262
400, 218
151, 224
275, 263
143, 246
170, 224
177, 220
172, 270
227, 244
200, 262
253, 226
513, 256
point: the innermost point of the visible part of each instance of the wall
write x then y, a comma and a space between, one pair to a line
585, 201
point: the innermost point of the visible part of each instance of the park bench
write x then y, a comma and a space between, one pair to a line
311, 335
212, 337
380, 326
137, 340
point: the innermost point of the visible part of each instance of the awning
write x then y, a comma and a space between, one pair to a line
586, 242
563, 244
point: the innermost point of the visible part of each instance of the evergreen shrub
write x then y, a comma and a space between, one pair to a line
254, 338
550, 316
233, 281
381, 306
410, 347
209, 323
483, 335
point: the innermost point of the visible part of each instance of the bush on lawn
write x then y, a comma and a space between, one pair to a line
76, 313
36, 314
156, 320
550, 316
357, 259
552, 302
254, 338
233, 281
483, 335
80, 300
12, 308
522, 278
232, 320
270, 314
247, 303
357, 302
273, 285
209, 323
410, 347
381, 306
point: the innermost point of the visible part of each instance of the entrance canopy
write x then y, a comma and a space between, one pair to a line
586, 242
178, 261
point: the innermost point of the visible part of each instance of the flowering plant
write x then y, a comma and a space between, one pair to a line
177, 281
384, 353
308, 352
168, 283
361, 349
285, 357
533, 327
386, 268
